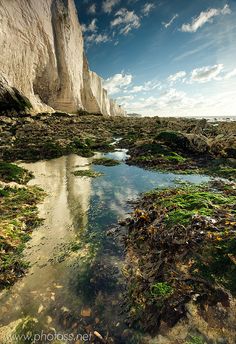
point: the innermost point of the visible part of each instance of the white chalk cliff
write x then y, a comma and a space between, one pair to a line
42, 57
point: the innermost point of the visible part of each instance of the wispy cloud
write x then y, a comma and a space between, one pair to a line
176, 77
167, 24
117, 82
230, 74
92, 9
97, 38
108, 5
147, 8
205, 17
148, 86
92, 27
126, 20
193, 51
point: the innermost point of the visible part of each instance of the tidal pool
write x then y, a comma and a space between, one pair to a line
74, 284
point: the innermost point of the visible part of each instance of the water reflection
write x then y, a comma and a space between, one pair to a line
65, 211
77, 209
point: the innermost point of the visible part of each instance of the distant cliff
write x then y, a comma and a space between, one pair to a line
42, 58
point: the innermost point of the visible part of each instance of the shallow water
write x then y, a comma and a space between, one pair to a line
74, 283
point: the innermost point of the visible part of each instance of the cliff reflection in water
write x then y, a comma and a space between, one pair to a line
64, 211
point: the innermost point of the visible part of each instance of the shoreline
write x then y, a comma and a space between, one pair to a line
172, 144
156, 144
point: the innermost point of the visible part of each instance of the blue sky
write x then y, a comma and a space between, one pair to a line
164, 57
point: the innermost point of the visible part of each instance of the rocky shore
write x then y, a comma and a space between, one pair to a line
179, 244
180, 264
159, 143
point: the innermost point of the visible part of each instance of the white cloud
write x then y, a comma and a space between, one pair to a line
127, 20
176, 77
173, 97
142, 104
92, 36
147, 8
205, 74
117, 82
92, 9
124, 100
205, 17
202, 75
230, 75
97, 38
167, 24
170, 102
108, 5
92, 27
148, 86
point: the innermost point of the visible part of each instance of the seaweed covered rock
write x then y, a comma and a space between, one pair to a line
197, 143
173, 139
193, 143
180, 249
18, 218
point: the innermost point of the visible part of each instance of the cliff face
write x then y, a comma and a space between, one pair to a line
42, 56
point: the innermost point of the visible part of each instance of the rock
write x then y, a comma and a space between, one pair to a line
8, 331
222, 341
41, 308
99, 336
231, 152
196, 143
11, 99
173, 139
64, 309
42, 56
49, 320
86, 312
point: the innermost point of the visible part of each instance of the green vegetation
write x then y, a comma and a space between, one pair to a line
18, 217
87, 173
177, 145
44, 150
161, 289
215, 256
82, 147
222, 171
182, 204
180, 242
106, 162
26, 330
196, 340
175, 158
14, 173
173, 138
157, 155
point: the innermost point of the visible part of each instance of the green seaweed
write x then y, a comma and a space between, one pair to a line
19, 216
161, 289
87, 173
13, 173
